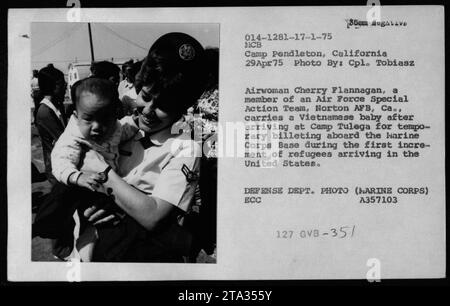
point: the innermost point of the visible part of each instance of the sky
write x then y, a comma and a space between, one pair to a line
63, 43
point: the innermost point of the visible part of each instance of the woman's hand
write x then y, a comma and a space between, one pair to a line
94, 161
97, 215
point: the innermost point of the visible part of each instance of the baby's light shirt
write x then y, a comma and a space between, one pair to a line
67, 154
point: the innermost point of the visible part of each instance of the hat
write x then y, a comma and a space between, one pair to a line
184, 52
175, 69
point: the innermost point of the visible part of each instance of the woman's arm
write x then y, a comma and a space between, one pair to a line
172, 186
146, 210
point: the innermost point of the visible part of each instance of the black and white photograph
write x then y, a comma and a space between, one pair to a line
324, 162
120, 116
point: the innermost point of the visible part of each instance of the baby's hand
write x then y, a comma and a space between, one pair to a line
89, 181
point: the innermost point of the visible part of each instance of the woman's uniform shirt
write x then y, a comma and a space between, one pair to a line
167, 166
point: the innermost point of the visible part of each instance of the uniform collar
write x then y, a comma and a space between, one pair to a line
158, 138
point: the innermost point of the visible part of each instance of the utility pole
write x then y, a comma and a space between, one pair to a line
90, 41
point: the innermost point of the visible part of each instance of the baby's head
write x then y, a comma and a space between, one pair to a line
95, 108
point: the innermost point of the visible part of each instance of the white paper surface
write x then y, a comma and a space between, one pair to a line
404, 239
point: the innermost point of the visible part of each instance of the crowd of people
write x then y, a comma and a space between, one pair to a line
122, 160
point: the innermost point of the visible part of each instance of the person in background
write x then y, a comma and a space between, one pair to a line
36, 176
129, 97
106, 70
35, 92
50, 120
34, 80
125, 84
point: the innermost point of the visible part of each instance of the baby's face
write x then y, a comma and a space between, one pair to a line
96, 116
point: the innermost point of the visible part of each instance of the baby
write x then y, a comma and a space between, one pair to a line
93, 125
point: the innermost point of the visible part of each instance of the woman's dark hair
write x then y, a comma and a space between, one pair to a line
47, 79
212, 64
174, 71
138, 78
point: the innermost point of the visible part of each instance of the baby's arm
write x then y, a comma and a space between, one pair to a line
66, 157
89, 181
